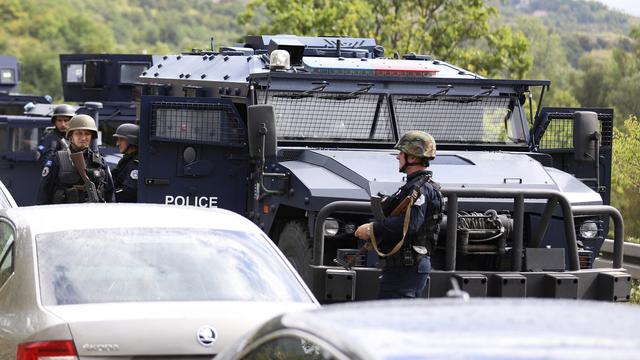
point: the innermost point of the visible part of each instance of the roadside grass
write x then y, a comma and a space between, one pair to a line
635, 292
635, 284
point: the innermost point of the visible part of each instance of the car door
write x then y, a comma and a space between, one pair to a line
193, 151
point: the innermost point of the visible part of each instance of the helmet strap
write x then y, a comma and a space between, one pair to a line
404, 167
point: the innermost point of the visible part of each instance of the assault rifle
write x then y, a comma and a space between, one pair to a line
77, 159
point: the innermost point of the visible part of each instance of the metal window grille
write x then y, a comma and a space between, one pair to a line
197, 123
330, 116
459, 119
559, 131
558, 135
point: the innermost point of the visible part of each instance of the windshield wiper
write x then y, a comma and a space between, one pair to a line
307, 93
429, 97
352, 95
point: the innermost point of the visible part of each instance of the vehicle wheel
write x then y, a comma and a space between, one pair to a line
295, 243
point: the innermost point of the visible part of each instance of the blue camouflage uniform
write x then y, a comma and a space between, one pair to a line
405, 273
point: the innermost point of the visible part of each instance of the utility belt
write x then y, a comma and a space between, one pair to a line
406, 257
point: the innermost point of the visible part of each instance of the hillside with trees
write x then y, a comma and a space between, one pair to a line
37, 31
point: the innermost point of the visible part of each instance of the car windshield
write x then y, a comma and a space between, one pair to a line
168, 264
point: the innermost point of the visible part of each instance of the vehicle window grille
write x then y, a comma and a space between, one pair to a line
288, 155
460, 119
558, 135
559, 131
197, 123
331, 117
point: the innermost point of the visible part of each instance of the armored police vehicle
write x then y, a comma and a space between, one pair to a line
108, 79
102, 83
11, 101
301, 141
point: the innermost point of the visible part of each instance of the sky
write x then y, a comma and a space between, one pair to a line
631, 7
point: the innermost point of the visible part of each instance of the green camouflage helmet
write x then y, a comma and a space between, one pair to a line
417, 143
82, 122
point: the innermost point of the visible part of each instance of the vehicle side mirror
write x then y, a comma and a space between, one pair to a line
585, 135
262, 131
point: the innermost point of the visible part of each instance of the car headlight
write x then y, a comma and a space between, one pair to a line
331, 227
588, 229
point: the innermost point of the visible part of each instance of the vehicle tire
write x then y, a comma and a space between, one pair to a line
295, 243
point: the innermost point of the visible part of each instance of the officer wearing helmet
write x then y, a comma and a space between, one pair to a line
61, 180
50, 142
125, 175
407, 235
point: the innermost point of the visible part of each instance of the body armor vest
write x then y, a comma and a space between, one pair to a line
69, 186
425, 242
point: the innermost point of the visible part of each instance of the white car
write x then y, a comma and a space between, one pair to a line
6, 200
134, 280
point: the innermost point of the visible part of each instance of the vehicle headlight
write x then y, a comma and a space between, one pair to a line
331, 227
588, 229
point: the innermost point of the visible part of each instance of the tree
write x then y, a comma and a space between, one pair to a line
626, 174
457, 31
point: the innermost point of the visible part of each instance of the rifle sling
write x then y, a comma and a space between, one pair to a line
405, 228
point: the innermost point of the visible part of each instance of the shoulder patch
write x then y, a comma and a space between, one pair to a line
45, 171
134, 174
419, 201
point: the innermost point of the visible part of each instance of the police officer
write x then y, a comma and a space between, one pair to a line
125, 175
407, 235
50, 142
62, 182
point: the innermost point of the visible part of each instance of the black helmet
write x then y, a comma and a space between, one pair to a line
63, 110
129, 132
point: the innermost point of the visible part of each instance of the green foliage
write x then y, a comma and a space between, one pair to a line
453, 30
44, 30
626, 174
635, 292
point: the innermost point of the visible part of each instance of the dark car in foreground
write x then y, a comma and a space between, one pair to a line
132, 281
448, 329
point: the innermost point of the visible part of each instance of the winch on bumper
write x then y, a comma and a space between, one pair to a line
533, 271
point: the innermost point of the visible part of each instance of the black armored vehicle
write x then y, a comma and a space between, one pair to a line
103, 84
11, 101
297, 134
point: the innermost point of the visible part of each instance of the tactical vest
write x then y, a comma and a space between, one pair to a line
69, 186
425, 242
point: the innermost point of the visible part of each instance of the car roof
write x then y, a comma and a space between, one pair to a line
51, 218
474, 329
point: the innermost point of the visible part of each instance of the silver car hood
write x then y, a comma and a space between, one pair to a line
163, 328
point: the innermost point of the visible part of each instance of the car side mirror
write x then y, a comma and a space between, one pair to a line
262, 132
586, 134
